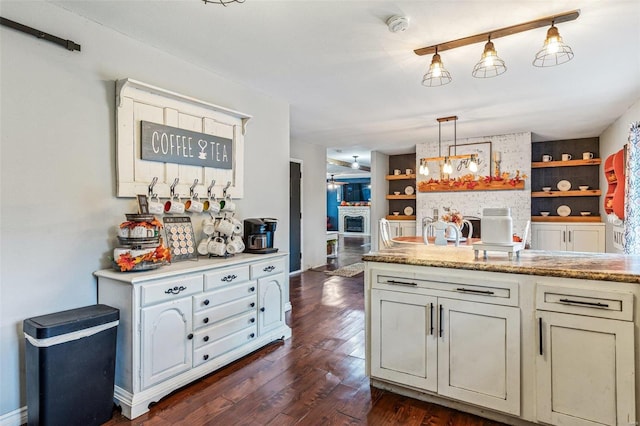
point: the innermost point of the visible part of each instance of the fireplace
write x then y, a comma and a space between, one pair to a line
354, 224
354, 220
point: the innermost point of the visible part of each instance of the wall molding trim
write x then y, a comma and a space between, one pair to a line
14, 418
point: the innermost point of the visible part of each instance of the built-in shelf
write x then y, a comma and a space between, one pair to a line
552, 194
565, 218
400, 177
401, 197
570, 163
400, 217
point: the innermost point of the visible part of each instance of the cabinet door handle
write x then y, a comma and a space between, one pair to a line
252, 320
205, 338
580, 302
206, 320
261, 309
252, 335
175, 290
470, 290
569, 236
206, 357
252, 289
252, 305
206, 302
564, 236
431, 318
400, 283
190, 336
540, 334
441, 318
269, 268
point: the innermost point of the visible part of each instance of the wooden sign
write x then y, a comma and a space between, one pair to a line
173, 145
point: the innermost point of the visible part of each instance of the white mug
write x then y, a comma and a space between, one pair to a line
156, 207
203, 246
174, 206
141, 232
408, 171
396, 172
227, 205
566, 157
123, 232
193, 205
587, 155
217, 247
211, 206
547, 158
225, 227
208, 226
235, 245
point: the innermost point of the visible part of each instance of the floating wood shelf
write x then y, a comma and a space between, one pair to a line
570, 163
400, 217
553, 194
595, 218
400, 177
424, 186
401, 197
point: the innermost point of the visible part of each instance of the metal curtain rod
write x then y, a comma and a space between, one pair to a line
500, 32
67, 44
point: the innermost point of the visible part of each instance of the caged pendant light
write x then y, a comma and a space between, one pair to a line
554, 51
490, 64
437, 74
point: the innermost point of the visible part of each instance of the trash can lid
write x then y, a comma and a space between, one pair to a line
69, 321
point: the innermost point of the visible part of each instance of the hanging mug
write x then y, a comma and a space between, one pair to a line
194, 205
174, 206
217, 247
227, 205
155, 206
203, 246
225, 227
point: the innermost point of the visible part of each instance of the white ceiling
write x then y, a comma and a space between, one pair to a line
353, 85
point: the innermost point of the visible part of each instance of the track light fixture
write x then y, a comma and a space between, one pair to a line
554, 51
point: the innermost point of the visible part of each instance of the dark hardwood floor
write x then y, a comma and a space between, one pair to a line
314, 378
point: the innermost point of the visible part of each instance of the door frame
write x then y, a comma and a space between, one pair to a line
301, 162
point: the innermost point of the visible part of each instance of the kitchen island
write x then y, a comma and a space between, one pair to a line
551, 337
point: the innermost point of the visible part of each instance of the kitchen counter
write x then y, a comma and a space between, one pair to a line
590, 266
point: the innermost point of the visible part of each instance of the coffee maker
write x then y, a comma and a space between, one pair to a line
258, 235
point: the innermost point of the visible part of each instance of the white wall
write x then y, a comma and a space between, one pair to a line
58, 212
515, 150
611, 140
314, 203
379, 190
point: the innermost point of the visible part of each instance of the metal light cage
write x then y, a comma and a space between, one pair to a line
561, 54
437, 74
490, 64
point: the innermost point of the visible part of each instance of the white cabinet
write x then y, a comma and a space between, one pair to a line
402, 228
183, 321
584, 237
585, 365
425, 335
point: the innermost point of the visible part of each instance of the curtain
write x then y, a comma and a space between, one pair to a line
632, 192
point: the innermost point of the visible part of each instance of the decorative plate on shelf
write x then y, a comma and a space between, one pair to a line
564, 185
409, 190
408, 210
564, 211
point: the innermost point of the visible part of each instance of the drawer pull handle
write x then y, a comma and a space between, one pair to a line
579, 302
252, 305
206, 320
229, 278
205, 338
252, 289
206, 302
470, 290
261, 309
206, 357
175, 290
252, 335
269, 268
252, 320
431, 310
441, 320
190, 336
540, 334
400, 283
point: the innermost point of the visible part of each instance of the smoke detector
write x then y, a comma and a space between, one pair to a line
397, 23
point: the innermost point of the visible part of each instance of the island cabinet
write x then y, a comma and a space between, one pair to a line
183, 321
452, 336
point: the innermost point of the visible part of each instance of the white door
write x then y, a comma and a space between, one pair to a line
585, 374
585, 238
403, 338
167, 341
270, 302
479, 354
549, 237
408, 228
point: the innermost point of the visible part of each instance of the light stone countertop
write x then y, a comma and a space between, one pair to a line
589, 266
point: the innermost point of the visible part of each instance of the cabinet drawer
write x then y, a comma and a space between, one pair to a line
222, 312
585, 301
224, 328
227, 294
219, 347
226, 276
269, 267
170, 289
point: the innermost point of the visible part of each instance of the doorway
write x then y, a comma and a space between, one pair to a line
295, 216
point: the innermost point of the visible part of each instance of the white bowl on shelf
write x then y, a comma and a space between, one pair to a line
544, 213
546, 188
396, 193
585, 213
396, 213
583, 187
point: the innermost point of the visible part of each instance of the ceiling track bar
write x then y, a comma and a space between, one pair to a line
346, 164
500, 32
67, 44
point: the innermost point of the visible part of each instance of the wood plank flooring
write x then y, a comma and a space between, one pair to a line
314, 378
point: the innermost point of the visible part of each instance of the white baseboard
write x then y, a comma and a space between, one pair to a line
14, 418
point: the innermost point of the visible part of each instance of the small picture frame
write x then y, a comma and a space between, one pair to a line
143, 204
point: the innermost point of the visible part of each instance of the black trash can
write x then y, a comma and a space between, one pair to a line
70, 362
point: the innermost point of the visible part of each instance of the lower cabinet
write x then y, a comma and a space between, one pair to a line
181, 323
461, 349
402, 228
586, 237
